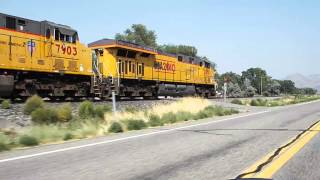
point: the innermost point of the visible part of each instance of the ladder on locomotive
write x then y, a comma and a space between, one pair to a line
97, 76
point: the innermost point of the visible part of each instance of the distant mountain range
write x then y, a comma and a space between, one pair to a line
302, 81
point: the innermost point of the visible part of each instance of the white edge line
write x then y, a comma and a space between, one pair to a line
122, 139
137, 136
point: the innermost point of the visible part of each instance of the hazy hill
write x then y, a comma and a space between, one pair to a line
301, 81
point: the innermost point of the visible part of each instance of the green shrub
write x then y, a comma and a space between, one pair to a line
86, 110
4, 147
131, 109
67, 136
47, 133
230, 111
183, 116
254, 102
5, 104
32, 104
200, 115
133, 124
237, 101
100, 110
28, 140
64, 112
266, 94
4, 142
115, 127
88, 128
259, 102
44, 116
211, 111
215, 110
262, 102
155, 120
274, 103
169, 117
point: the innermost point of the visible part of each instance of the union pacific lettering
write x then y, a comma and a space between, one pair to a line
164, 66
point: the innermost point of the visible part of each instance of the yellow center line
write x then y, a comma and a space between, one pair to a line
284, 156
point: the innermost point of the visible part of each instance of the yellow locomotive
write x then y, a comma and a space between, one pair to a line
137, 70
45, 58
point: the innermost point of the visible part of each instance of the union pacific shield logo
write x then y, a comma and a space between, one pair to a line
31, 46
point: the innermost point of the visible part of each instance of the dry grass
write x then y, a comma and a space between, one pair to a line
189, 104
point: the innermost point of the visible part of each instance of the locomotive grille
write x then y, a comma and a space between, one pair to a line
72, 66
59, 64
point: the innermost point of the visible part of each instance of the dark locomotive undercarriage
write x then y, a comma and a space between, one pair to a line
18, 84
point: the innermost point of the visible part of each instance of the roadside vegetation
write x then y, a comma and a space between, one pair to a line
58, 124
6, 104
287, 100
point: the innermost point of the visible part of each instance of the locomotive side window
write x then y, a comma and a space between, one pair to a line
179, 58
126, 67
56, 34
100, 52
133, 68
139, 69
131, 54
74, 37
62, 37
11, 23
191, 60
48, 33
201, 63
122, 66
142, 69
119, 66
68, 38
207, 65
21, 24
144, 55
121, 53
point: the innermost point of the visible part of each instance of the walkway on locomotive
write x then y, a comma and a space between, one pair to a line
133, 61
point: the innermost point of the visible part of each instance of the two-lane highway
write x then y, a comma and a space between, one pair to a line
214, 149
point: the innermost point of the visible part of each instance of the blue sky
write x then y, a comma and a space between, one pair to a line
281, 36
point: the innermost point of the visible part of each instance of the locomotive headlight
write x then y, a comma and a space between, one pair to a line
81, 67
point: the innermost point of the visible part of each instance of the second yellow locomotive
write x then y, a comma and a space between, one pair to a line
143, 71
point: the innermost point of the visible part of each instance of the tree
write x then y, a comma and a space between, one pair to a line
310, 91
287, 87
139, 34
179, 49
274, 88
230, 77
307, 91
249, 91
256, 76
234, 90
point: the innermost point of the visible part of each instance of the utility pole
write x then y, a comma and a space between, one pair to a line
225, 92
261, 85
114, 102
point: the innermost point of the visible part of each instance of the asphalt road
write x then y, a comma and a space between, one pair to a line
207, 149
304, 165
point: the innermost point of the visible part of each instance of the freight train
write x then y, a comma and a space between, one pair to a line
47, 59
